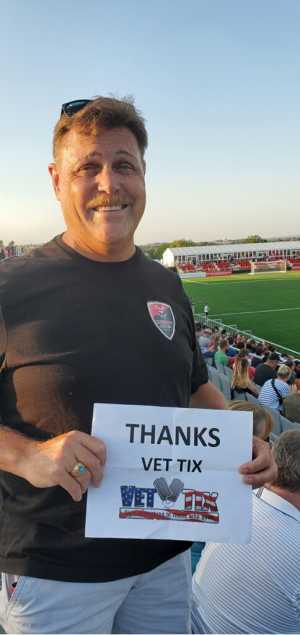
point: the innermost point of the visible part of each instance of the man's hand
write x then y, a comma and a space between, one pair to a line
49, 463
262, 469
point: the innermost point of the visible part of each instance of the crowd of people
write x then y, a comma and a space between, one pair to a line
257, 369
258, 590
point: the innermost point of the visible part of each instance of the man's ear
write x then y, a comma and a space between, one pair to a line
144, 167
54, 173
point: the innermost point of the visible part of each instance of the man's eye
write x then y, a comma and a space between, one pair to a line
125, 166
88, 167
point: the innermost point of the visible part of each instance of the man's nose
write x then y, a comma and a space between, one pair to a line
108, 180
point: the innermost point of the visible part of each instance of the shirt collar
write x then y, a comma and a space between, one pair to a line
279, 503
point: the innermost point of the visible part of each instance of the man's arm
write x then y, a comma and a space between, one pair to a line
50, 463
208, 396
262, 468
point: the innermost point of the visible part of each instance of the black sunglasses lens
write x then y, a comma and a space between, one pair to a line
71, 107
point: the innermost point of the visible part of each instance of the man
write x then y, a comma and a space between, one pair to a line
206, 309
255, 588
274, 391
297, 368
204, 341
88, 318
291, 364
291, 404
231, 351
221, 358
266, 370
258, 355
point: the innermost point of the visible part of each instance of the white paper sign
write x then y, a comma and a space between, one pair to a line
171, 473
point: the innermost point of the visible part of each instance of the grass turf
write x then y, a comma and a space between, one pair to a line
266, 304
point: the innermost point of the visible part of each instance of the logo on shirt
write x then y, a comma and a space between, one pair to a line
163, 317
169, 502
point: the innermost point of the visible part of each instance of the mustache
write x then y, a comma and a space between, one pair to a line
107, 201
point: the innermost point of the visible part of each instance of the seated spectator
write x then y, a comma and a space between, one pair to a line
241, 382
266, 370
220, 356
275, 390
251, 346
291, 364
241, 345
297, 368
255, 588
291, 404
231, 350
258, 355
204, 341
262, 419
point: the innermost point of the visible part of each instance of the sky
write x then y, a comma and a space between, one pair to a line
218, 83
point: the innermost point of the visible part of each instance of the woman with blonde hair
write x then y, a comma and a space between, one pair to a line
241, 382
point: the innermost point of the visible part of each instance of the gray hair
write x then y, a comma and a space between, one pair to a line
286, 452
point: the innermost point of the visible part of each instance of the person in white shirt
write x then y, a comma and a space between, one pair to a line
275, 390
255, 588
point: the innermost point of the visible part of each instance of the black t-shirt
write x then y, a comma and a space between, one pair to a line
263, 373
77, 332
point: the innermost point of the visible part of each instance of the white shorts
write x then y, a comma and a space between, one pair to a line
155, 602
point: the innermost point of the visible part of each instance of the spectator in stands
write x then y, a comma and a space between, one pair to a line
241, 345
241, 341
241, 382
291, 364
297, 368
262, 419
255, 588
251, 346
204, 341
258, 355
291, 404
214, 342
220, 355
266, 370
231, 350
275, 390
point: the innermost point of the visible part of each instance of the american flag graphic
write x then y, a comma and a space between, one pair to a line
198, 507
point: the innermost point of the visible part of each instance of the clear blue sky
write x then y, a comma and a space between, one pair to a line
217, 81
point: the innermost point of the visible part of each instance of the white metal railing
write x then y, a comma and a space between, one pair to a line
233, 328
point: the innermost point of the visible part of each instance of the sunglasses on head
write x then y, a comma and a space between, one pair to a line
71, 107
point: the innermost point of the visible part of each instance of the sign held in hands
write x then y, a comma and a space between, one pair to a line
171, 473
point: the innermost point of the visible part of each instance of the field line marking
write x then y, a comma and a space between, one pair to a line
294, 308
225, 282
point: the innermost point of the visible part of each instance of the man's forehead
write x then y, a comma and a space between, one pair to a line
115, 140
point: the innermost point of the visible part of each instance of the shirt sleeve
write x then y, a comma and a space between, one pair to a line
199, 369
199, 374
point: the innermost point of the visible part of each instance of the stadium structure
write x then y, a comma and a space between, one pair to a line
225, 259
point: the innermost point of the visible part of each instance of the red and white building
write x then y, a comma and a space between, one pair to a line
228, 258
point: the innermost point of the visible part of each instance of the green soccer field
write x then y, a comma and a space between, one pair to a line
268, 305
